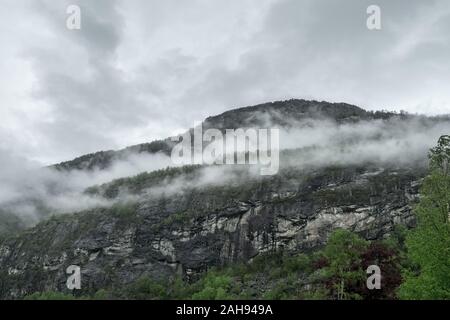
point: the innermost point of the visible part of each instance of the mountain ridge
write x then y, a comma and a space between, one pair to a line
231, 119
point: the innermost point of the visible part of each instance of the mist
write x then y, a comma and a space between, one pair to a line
31, 192
310, 144
389, 142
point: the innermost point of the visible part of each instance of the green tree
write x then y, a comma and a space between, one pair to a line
147, 288
428, 245
215, 287
343, 263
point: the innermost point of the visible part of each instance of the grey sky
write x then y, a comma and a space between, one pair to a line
140, 70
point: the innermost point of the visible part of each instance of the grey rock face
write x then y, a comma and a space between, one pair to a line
189, 232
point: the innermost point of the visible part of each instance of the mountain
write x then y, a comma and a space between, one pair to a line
254, 116
184, 220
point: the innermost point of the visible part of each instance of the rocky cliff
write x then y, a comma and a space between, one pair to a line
186, 233
168, 223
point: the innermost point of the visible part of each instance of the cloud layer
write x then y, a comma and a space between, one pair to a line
32, 192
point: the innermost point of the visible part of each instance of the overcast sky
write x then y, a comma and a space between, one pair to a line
140, 70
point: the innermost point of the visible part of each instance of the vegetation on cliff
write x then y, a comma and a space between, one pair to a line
414, 263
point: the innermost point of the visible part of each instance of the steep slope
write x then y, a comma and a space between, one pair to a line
187, 232
186, 220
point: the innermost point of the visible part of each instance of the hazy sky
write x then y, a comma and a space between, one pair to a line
140, 70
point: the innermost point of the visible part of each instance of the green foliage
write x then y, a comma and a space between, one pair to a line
145, 180
147, 289
440, 156
279, 292
50, 295
102, 294
429, 244
214, 287
343, 252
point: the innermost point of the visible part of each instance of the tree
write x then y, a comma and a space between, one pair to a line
147, 288
429, 244
214, 287
387, 257
343, 263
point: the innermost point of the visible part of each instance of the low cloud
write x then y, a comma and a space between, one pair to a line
384, 142
32, 192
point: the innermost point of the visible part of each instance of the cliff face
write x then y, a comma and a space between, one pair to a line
189, 231
168, 223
